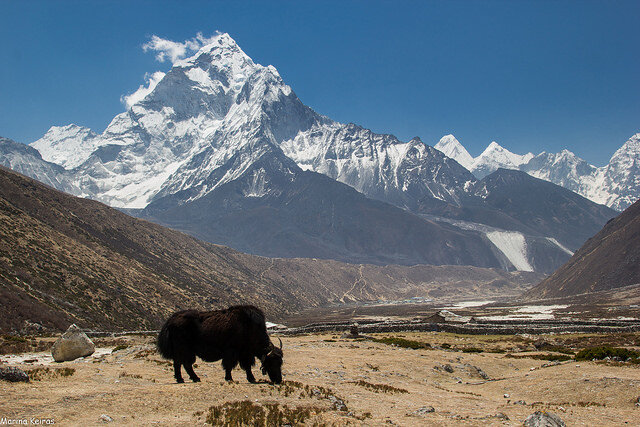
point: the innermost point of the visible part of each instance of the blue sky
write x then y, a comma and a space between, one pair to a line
534, 76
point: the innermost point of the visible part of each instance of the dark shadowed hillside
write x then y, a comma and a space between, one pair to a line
609, 260
65, 259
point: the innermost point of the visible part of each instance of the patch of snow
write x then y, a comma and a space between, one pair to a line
558, 244
542, 309
513, 245
466, 304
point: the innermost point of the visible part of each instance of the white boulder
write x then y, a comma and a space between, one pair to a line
71, 345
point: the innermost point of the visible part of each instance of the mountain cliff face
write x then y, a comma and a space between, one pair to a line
277, 209
28, 161
609, 260
617, 184
222, 148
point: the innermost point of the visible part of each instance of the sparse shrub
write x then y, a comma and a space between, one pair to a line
247, 413
373, 367
471, 350
288, 387
445, 345
14, 338
380, 388
39, 374
616, 353
550, 357
119, 347
403, 342
126, 375
143, 353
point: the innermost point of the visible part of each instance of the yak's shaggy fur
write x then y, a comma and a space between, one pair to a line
235, 335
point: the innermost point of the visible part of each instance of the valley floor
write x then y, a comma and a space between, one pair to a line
477, 380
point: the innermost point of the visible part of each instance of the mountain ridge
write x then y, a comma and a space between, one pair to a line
214, 116
616, 184
607, 261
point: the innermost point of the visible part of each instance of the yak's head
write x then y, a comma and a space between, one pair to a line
272, 363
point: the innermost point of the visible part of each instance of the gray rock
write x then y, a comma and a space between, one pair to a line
338, 404
543, 419
105, 418
13, 375
425, 410
71, 345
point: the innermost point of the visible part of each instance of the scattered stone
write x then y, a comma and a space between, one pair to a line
475, 371
543, 419
423, 410
448, 368
338, 404
519, 402
638, 401
71, 345
30, 327
506, 395
502, 416
105, 418
540, 344
13, 375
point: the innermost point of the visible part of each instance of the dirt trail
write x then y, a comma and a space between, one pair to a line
337, 381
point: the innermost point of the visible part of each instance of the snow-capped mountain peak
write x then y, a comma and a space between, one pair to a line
69, 146
495, 156
620, 183
218, 102
451, 147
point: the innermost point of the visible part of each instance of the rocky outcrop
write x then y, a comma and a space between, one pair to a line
13, 375
543, 419
71, 345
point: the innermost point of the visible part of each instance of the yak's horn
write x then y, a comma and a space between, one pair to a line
280, 343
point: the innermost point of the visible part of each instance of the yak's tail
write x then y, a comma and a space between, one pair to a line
165, 346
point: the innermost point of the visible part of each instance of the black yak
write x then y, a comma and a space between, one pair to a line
237, 334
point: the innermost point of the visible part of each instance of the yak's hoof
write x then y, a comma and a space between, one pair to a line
195, 380
179, 380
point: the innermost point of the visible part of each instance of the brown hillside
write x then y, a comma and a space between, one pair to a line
65, 259
609, 260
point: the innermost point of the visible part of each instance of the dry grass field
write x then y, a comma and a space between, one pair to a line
329, 380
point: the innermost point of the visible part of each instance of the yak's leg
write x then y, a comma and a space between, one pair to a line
245, 363
176, 371
188, 366
228, 363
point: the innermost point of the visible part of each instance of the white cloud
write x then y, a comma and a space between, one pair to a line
144, 90
174, 51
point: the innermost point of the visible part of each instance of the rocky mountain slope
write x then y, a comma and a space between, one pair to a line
609, 260
617, 184
276, 209
66, 260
